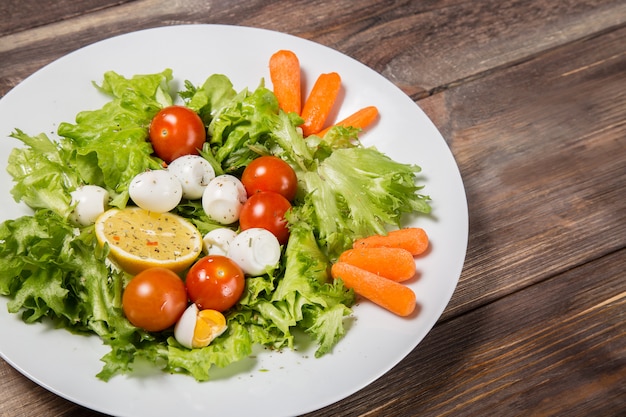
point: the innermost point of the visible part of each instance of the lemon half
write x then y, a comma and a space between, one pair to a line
140, 239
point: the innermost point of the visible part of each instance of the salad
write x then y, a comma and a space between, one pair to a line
52, 267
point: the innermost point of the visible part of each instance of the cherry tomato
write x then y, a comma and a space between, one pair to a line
176, 131
266, 209
270, 173
215, 282
154, 299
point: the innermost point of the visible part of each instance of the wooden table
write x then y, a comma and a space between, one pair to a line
531, 98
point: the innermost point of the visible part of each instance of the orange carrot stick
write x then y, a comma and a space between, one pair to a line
413, 239
396, 264
359, 119
320, 102
285, 76
391, 295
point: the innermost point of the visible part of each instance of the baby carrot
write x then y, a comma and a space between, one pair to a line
391, 295
359, 119
285, 76
396, 264
320, 102
413, 239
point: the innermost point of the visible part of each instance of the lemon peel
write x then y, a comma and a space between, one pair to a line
139, 239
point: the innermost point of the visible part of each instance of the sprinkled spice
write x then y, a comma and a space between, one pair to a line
157, 238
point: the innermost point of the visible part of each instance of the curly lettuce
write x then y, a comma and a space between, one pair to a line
346, 191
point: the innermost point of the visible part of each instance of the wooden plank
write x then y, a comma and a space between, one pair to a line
435, 44
440, 44
564, 354
27, 14
564, 204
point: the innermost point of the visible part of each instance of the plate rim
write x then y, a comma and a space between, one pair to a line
12, 92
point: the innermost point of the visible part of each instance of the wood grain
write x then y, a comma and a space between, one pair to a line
21, 15
420, 46
544, 188
530, 97
451, 42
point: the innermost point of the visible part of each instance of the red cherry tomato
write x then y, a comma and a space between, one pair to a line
270, 173
266, 209
176, 131
215, 282
154, 299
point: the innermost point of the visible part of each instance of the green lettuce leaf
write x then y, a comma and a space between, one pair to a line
243, 124
318, 304
305, 297
52, 269
232, 346
42, 178
215, 94
109, 145
363, 191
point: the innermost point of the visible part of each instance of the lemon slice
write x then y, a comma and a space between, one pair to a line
140, 239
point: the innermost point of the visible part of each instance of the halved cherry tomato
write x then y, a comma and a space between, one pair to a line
266, 209
154, 299
176, 131
270, 173
215, 282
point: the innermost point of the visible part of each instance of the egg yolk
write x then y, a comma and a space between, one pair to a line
209, 325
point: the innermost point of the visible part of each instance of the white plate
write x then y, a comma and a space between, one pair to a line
270, 383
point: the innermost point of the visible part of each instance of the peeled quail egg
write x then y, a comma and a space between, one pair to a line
197, 328
217, 241
223, 198
157, 190
194, 173
91, 201
255, 250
